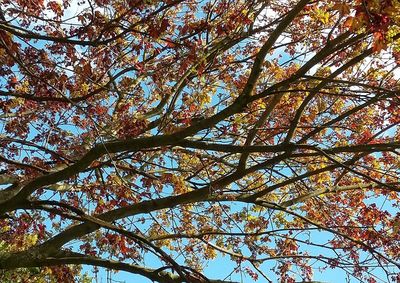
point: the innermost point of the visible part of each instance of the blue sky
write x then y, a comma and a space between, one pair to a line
222, 266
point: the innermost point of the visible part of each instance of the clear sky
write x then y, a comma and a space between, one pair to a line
222, 266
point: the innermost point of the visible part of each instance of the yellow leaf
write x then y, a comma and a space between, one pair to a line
396, 226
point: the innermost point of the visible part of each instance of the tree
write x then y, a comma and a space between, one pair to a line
156, 136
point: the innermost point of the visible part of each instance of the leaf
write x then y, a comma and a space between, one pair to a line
343, 8
396, 226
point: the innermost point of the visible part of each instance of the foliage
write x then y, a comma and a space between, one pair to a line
264, 132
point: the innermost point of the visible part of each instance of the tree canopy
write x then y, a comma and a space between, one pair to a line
155, 137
